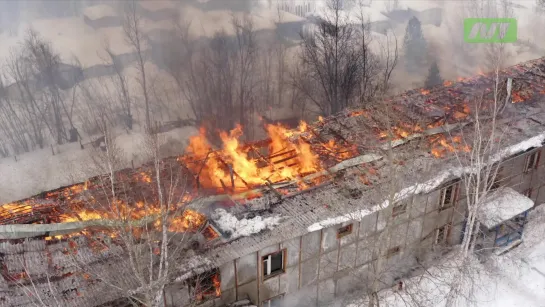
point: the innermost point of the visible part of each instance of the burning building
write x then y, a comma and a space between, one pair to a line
304, 211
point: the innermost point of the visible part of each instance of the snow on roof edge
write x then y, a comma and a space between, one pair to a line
244, 227
428, 186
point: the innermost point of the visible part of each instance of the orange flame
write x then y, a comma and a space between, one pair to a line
358, 113
424, 92
447, 83
517, 97
440, 145
233, 166
217, 284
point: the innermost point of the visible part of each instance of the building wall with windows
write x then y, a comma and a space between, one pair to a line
384, 247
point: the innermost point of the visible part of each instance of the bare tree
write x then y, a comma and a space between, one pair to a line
148, 230
245, 66
120, 80
12, 125
20, 72
132, 26
45, 64
331, 61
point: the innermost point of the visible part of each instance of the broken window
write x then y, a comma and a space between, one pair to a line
206, 286
210, 233
344, 231
274, 302
448, 196
532, 161
399, 209
273, 264
441, 234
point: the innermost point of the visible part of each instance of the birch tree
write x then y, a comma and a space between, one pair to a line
146, 232
132, 27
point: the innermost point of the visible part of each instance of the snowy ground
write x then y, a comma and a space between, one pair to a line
515, 279
40, 170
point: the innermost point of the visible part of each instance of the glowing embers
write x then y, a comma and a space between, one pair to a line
401, 131
210, 232
441, 145
206, 286
288, 155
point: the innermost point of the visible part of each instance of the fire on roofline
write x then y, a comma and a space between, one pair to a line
299, 156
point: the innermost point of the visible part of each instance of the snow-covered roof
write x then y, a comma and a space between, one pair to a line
353, 16
503, 205
99, 11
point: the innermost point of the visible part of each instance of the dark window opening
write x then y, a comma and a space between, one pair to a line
399, 209
441, 234
447, 196
531, 161
344, 231
274, 302
273, 264
206, 286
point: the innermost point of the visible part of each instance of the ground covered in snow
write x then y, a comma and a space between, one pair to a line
515, 279
34, 172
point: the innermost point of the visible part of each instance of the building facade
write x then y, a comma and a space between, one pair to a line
320, 266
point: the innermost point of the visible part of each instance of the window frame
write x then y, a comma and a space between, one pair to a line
401, 204
268, 258
453, 195
348, 231
445, 229
528, 167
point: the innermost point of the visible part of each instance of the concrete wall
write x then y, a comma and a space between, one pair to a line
320, 267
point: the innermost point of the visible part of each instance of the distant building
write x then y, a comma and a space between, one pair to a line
101, 16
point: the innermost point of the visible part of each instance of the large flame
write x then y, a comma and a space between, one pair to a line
239, 167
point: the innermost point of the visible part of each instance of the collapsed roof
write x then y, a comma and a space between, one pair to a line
336, 167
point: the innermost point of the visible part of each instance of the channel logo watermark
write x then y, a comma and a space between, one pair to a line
490, 30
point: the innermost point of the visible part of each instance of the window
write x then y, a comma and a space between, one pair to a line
274, 302
273, 264
344, 231
532, 161
206, 286
447, 196
441, 234
399, 209
392, 251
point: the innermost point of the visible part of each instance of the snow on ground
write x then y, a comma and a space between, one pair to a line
40, 170
515, 279
243, 227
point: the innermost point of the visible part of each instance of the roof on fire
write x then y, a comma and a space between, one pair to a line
356, 187
347, 197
